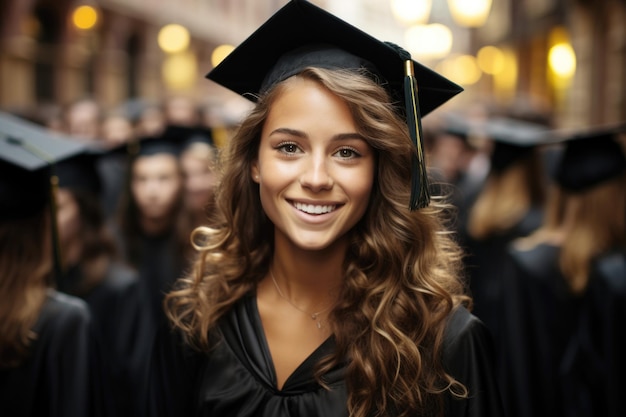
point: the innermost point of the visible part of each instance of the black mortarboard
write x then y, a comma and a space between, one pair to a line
590, 158
303, 35
28, 154
167, 143
513, 139
80, 172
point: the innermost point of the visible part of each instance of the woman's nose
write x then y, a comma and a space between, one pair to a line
316, 175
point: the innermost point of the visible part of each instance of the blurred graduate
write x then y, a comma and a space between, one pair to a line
565, 298
49, 360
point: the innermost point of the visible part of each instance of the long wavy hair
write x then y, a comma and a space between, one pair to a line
507, 197
25, 268
401, 270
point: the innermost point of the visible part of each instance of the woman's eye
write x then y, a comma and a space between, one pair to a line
288, 148
347, 153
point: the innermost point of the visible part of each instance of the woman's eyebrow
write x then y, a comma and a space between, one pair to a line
300, 134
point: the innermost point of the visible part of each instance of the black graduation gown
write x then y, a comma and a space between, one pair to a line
594, 365
159, 268
563, 353
237, 377
61, 377
485, 265
121, 325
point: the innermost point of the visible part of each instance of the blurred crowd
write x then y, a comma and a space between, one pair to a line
544, 236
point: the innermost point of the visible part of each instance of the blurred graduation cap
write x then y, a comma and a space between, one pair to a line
302, 35
28, 155
590, 157
80, 172
186, 135
513, 139
166, 143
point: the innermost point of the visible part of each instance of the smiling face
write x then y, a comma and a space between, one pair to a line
315, 172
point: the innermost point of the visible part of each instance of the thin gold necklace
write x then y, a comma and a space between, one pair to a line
315, 316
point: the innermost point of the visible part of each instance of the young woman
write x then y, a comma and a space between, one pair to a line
197, 160
566, 290
93, 272
508, 205
153, 228
48, 361
316, 290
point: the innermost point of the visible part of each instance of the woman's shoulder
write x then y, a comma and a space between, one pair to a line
62, 313
462, 324
60, 304
466, 339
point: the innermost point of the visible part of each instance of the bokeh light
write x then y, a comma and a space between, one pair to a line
411, 12
180, 71
429, 41
85, 17
562, 60
220, 53
470, 13
173, 38
462, 69
490, 60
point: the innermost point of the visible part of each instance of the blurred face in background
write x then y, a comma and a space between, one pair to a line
156, 185
83, 120
196, 163
116, 130
181, 111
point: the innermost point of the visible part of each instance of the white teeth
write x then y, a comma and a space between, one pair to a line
313, 209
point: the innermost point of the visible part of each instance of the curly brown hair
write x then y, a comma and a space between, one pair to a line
402, 269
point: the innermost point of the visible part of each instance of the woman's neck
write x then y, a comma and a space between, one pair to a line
154, 226
309, 279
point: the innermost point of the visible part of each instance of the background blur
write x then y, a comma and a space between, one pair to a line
568, 55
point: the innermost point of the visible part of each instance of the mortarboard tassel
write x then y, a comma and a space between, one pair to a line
420, 193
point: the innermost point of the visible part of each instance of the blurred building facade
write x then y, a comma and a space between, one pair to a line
46, 57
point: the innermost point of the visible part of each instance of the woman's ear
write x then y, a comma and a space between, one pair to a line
254, 171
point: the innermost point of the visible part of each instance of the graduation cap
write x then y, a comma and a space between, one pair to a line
303, 35
590, 158
80, 172
513, 139
167, 143
28, 154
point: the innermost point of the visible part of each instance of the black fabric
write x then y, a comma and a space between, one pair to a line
592, 371
121, 324
563, 353
301, 23
486, 267
237, 377
63, 375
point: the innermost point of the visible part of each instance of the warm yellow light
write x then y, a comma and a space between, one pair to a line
85, 17
562, 60
470, 13
220, 53
180, 71
429, 41
505, 82
173, 38
462, 69
411, 12
490, 60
